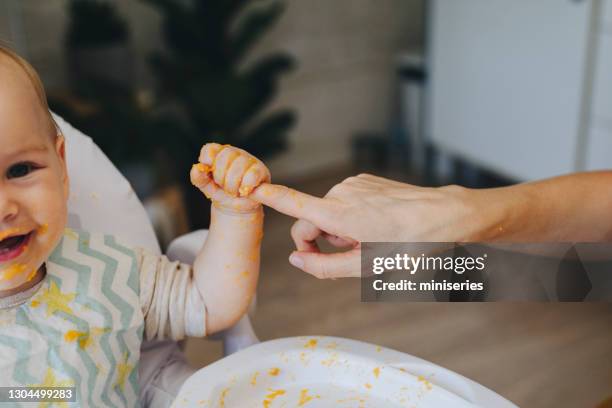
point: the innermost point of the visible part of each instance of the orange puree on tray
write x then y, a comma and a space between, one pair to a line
270, 397
305, 398
312, 343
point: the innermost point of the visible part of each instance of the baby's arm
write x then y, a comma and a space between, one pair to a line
227, 267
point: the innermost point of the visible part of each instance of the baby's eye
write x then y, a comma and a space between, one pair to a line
20, 170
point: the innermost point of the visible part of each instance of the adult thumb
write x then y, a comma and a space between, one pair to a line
328, 266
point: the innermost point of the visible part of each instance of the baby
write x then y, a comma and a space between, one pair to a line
75, 306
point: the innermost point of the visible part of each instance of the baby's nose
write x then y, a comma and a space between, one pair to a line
8, 208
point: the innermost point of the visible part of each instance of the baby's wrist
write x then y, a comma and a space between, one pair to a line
237, 211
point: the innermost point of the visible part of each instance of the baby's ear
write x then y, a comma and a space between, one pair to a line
60, 146
60, 149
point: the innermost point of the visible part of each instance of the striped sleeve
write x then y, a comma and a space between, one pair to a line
171, 303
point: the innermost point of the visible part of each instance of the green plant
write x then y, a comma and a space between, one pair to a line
94, 23
203, 71
206, 90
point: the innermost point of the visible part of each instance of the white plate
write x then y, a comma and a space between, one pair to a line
315, 372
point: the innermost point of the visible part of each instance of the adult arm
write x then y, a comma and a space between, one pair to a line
576, 207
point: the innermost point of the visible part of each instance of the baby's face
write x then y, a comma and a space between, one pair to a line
33, 180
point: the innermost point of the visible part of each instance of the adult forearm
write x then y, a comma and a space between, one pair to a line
572, 208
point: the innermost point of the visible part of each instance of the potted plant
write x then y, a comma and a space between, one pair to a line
203, 72
97, 43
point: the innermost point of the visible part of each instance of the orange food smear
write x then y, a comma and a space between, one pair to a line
83, 338
305, 398
425, 382
376, 372
12, 271
274, 371
244, 191
32, 275
9, 232
312, 343
72, 335
270, 397
222, 397
254, 378
203, 167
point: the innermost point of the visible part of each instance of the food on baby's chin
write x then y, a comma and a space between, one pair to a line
12, 271
32, 274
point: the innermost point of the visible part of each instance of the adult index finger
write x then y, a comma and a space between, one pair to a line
318, 211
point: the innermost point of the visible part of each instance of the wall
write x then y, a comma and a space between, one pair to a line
344, 82
39, 36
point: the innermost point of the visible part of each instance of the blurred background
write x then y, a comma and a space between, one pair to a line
475, 92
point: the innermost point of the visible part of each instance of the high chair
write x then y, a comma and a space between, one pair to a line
292, 372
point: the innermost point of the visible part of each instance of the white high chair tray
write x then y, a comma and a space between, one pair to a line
315, 372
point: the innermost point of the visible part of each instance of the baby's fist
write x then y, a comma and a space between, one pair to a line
227, 175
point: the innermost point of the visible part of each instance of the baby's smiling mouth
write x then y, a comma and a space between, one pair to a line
12, 247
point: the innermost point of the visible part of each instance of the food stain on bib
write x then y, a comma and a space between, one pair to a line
84, 338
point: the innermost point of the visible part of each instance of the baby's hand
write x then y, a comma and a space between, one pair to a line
227, 175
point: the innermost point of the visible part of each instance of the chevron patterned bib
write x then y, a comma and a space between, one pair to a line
83, 326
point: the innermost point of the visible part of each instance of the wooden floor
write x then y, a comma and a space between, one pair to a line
535, 354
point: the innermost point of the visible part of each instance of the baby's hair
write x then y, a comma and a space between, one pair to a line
34, 80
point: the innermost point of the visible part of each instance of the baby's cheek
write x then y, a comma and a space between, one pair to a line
51, 220
49, 234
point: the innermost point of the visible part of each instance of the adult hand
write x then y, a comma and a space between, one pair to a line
367, 208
